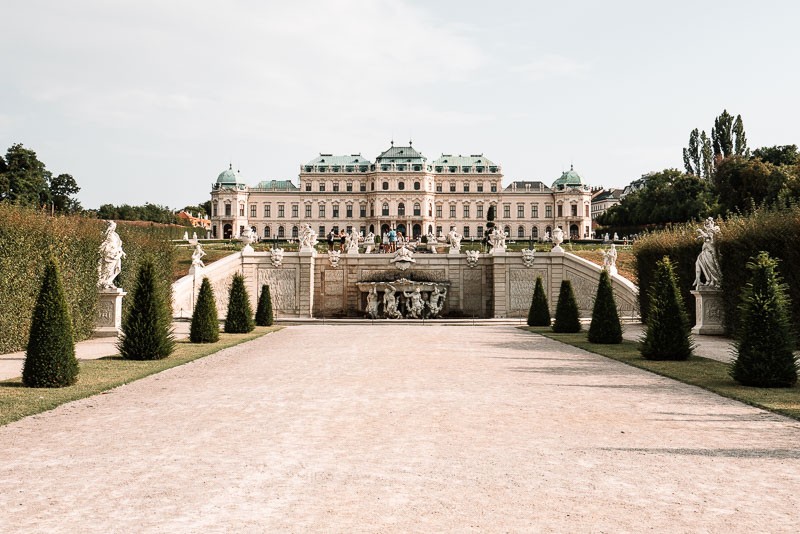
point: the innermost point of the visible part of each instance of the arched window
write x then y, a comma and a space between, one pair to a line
401, 209
385, 209
417, 209
401, 186
267, 232
416, 186
507, 230
295, 232
521, 231
385, 186
535, 232
281, 232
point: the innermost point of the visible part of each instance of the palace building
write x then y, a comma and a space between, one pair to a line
400, 189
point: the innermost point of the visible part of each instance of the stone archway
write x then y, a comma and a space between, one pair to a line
574, 231
227, 231
416, 231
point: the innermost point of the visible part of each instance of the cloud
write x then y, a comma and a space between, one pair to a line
551, 66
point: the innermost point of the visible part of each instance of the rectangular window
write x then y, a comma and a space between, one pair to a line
335, 214
480, 188
362, 230
308, 186
335, 186
362, 211
280, 210
438, 188
506, 211
438, 230
267, 210
574, 210
494, 188
349, 186
560, 210
466, 231
587, 211
349, 211
466, 189
534, 211
520, 211
362, 186
452, 211
241, 210
253, 211
322, 186
452, 188
548, 211
479, 215
228, 210
322, 211
295, 209
308, 211
439, 211
480, 231
321, 230
466, 211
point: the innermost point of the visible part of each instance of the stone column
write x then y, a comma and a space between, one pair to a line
709, 312
108, 321
500, 284
306, 286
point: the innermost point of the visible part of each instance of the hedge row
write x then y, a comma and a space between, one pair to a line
742, 237
28, 237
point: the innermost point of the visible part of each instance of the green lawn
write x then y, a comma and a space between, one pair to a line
708, 374
97, 376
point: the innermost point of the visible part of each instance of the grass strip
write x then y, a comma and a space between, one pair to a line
97, 376
711, 375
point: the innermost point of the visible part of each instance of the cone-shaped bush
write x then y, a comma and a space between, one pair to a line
567, 320
50, 357
147, 325
205, 323
668, 330
240, 315
539, 312
264, 316
605, 327
763, 349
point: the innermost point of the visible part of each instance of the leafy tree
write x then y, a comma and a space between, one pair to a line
567, 319
146, 327
740, 140
742, 183
264, 315
605, 326
778, 154
692, 155
707, 156
50, 357
668, 328
539, 312
239, 319
62, 188
147, 212
24, 180
763, 350
205, 324
722, 135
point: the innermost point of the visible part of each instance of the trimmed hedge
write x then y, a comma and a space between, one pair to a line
147, 325
667, 333
239, 319
742, 237
539, 312
29, 237
264, 315
605, 326
205, 323
567, 314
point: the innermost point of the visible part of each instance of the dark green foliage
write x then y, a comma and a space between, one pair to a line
567, 319
668, 329
605, 327
264, 316
146, 326
763, 349
205, 324
50, 358
539, 312
239, 319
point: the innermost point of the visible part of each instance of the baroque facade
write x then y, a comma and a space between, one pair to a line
400, 189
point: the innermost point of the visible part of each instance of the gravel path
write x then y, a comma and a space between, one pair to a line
401, 428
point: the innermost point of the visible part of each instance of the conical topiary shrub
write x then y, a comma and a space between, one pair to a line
567, 320
205, 324
50, 357
147, 326
605, 327
539, 312
239, 319
668, 330
264, 316
763, 350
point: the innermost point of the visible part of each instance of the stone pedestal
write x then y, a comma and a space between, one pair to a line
108, 321
709, 313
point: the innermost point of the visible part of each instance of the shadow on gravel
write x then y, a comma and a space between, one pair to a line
593, 370
584, 360
718, 453
719, 417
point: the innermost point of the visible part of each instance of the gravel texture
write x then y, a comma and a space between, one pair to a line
384, 428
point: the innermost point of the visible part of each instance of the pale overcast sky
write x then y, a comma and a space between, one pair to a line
148, 101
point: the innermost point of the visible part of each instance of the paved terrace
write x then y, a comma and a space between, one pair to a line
399, 427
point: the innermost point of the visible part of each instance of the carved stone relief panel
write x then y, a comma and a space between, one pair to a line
520, 289
282, 287
473, 290
333, 280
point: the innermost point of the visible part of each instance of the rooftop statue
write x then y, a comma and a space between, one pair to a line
111, 255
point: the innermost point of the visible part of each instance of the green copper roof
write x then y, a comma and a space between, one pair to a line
400, 154
330, 159
464, 161
276, 185
569, 178
228, 177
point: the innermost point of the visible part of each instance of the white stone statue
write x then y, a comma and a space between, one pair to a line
472, 257
610, 259
403, 258
417, 306
606, 238
248, 237
558, 238
497, 240
194, 236
527, 257
111, 255
369, 243
351, 243
436, 301
197, 256
616, 236
390, 303
547, 236
334, 256
372, 303
308, 238
186, 236
707, 271
454, 238
276, 256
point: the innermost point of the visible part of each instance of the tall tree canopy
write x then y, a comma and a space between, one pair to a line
703, 154
25, 180
743, 182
